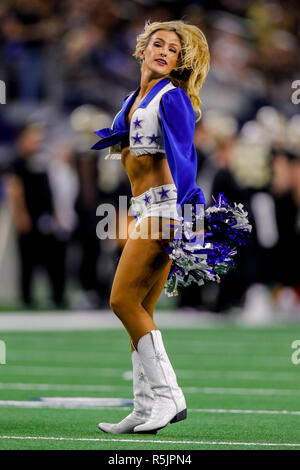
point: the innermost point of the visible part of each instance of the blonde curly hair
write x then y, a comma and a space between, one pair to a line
193, 60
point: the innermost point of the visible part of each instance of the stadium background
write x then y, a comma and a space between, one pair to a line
67, 65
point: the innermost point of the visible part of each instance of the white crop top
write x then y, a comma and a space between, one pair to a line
145, 134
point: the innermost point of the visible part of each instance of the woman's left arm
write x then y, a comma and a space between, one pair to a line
178, 127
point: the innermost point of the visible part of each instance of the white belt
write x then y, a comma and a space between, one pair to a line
164, 193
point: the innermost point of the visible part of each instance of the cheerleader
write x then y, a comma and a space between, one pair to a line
153, 136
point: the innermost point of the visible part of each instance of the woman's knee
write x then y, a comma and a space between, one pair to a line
115, 303
120, 304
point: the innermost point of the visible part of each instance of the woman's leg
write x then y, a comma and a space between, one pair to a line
153, 295
143, 395
141, 274
139, 280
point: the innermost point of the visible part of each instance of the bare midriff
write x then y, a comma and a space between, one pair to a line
146, 171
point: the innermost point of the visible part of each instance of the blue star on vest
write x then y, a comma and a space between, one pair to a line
137, 123
137, 138
163, 193
147, 199
153, 138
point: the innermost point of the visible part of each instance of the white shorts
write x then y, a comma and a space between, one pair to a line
155, 202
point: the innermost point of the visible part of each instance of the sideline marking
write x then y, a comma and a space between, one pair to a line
224, 443
72, 405
90, 403
182, 373
259, 412
111, 388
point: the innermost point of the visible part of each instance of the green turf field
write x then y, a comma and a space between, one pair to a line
241, 388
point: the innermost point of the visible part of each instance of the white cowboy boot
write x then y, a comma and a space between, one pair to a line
142, 403
169, 403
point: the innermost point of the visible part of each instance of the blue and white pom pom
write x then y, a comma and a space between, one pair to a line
203, 258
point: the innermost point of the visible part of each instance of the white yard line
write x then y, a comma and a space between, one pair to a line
59, 404
240, 374
59, 387
240, 391
258, 412
64, 371
212, 443
17, 354
93, 358
110, 388
91, 403
115, 372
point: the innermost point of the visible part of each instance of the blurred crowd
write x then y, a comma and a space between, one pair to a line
67, 66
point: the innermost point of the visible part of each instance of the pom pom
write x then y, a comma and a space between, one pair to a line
197, 258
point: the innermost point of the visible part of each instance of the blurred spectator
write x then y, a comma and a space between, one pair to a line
28, 28
34, 216
90, 246
295, 170
69, 63
285, 189
64, 187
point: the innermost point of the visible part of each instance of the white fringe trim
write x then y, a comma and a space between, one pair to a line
146, 150
136, 152
113, 156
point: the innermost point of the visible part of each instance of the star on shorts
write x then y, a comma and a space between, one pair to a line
147, 199
163, 193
